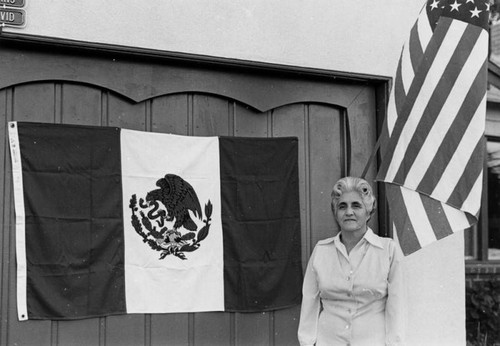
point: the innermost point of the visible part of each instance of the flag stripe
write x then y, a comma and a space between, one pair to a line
463, 159
192, 181
398, 91
262, 261
425, 31
396, 99
445, 118
406, 233
407, 239
420, 36
411, 56
458, 219
395, 106
420, 220
421, 101
472, 202
408, 63
441, 109
81, 258
403, 123
468, 181
470, 107
418, 217
410, 59
437, 218
415, 51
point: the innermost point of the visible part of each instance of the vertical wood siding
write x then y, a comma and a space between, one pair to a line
322, 132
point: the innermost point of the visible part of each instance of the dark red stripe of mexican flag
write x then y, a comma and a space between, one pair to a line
261, 223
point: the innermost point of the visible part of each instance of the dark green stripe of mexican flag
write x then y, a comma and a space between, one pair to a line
73, 208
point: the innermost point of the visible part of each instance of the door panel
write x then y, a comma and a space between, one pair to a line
326, 162
34, 101
170, 114
80, 104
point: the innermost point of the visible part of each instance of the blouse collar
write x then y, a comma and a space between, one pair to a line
369, 236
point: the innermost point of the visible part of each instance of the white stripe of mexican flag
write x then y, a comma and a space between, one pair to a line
171, 284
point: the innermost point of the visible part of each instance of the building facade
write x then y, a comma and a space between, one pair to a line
335, 106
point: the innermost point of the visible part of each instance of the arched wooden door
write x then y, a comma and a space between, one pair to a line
334, 121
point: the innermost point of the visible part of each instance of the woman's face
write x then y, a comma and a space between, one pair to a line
351, 212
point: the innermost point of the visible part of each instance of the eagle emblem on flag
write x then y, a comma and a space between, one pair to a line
164, 217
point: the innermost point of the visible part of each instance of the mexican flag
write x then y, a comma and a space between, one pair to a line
114, 221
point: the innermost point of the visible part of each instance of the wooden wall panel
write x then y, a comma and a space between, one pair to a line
326, 165
211, 116
253, 328
249, 122
292, 121
122, 113
170, 330
321, 130
34, 102
81, 105
362, 116
80, 332
126, 330
285, 326
170, 114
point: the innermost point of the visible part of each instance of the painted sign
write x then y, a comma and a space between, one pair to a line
10, 16
12, 3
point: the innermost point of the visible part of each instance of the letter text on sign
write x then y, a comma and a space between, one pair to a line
13, 3
11, 17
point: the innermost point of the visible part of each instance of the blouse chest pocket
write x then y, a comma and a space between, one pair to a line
372, 277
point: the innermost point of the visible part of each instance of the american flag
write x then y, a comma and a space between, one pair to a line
432, 143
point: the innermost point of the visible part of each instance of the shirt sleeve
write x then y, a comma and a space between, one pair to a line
311, 305
395, 310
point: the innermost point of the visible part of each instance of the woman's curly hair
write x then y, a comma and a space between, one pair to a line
353, 184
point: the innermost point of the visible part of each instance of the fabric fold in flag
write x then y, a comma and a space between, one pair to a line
432, 142
114, 221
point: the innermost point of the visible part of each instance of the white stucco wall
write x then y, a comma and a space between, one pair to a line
363, 36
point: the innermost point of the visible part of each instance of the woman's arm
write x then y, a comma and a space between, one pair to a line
311, 304
396, 307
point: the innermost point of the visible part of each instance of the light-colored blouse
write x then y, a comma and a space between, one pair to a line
356, 298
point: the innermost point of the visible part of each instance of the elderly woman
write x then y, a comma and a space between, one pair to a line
353, 291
